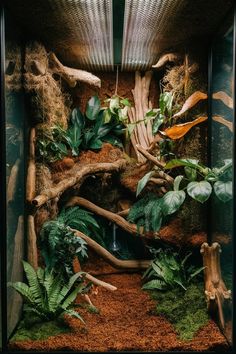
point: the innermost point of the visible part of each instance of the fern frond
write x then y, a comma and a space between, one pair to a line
35, 286
73, 313
25, 291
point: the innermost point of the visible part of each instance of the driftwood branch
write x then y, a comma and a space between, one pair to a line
32, 243
80, 173
70, 75
31, 175
112, 260
215, 289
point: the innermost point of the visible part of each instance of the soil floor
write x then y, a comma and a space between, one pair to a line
125, 323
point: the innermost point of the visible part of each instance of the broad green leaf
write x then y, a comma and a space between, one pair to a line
95, 143
199, 191
155, 284
177, 182
93, 108
158, 121
224, 190
182, 162
77, 118
114, 104
191, 173
165, 102
125, 102
123, 114
143, 181
172, 201
113, 140
157, 218
107, 116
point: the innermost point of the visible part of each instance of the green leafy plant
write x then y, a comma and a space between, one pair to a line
167, 271
47, 295
201, 180
59, 244
164, 112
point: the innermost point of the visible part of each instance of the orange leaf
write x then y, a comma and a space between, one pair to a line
179, 130
191, 101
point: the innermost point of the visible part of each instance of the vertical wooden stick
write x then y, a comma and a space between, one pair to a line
32, 243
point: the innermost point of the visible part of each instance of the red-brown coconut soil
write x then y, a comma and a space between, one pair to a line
125, 323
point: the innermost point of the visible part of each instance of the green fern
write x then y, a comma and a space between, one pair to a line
46, 295
167, 271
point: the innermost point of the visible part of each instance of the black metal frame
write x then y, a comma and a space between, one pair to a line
3, 239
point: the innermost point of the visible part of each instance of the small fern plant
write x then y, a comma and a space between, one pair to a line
167, 271
46, 295
59, 244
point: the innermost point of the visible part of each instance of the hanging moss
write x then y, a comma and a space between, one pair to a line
186, 310
38, 331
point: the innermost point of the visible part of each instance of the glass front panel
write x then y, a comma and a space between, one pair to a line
222, 158
15, 117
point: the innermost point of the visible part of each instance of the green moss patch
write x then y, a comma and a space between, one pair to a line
186, 310
38, 331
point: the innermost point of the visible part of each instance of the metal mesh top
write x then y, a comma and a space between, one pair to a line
81, 31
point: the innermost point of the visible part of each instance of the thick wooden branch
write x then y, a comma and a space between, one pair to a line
31, 174
80, 173
215, 289
70, 75
112, 260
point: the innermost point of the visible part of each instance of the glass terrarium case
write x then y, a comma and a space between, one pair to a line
117, 176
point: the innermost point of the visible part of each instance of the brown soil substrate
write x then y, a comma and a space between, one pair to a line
125, 322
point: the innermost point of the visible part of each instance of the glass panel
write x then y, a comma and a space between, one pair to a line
222, 155
15, 116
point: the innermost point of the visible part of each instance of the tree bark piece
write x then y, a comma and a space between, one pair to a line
215, 290
112, 260
32, 243
31, 174
142, 132
70, 75
166, 58
80, 173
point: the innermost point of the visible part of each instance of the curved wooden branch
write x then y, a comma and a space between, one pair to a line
223, 121
117, 219
31, 175
70, 75
80, 173
112, 260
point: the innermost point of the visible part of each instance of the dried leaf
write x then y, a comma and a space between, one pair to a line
191, 101
222, 120
224, 97
179, 130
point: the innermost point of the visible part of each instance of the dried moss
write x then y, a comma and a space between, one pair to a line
186, 310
